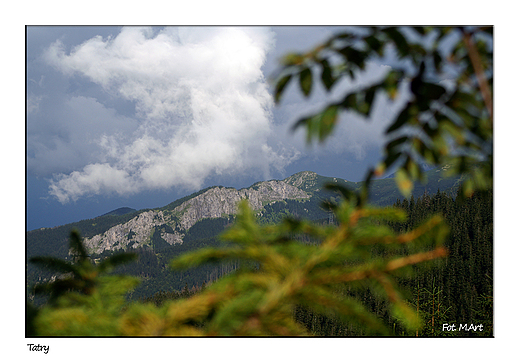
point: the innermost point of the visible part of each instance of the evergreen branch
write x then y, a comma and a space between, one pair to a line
416, 258
77, 246
348, 309
372, 269
113, 261
479, 71
54, 264
421, 230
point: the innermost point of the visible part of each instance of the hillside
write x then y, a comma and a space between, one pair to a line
119, 211
299, 194
195, 221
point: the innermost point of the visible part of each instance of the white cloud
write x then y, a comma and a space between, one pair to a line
95, 178
201, 100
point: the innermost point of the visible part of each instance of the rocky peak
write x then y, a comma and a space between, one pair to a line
213, 203
304, 180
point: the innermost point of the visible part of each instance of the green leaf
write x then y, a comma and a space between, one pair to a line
402, 119
404, 183
429, 155
399, 40
306, 81
280, 86
349, 309
327, 121
374, 44
413, 169
406, 315
437, 59
292, 59
320, 125
419, 29
350, 101
326, 74
206, 255
310, 124
365, 106
440, 145
343, 36
429, 130
369, 95
353, 56
395, 142
431, 91
391, 158
455, 131
468, 187
391, 82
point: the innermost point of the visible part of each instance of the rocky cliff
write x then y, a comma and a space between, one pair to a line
173, 224
304, 180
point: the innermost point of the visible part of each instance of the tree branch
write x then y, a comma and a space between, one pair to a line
479, 71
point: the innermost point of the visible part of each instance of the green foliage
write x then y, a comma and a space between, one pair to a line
261, 300
84, 299
260, 297
80, 276
96, 313
442, 124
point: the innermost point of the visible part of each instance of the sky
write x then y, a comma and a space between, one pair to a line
141, 116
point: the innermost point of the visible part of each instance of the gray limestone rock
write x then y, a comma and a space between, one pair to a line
213, 203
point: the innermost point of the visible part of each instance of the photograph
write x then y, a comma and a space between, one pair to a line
258, 181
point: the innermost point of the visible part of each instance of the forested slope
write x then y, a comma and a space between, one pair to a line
153, 259
455, 290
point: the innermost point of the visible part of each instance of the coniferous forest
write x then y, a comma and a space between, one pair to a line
454, 290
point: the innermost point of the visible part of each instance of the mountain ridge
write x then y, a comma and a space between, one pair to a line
119, 212
214, 202
118, 230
